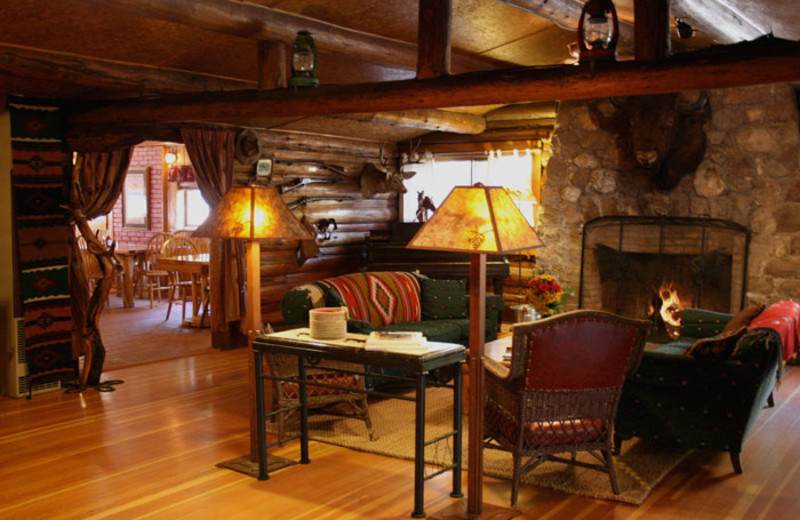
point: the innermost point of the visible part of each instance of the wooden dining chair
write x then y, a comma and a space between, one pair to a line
157, 280
180, 283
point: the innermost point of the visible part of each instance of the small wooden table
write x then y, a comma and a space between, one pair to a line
198, 267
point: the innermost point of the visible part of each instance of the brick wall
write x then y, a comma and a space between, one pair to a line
133, 238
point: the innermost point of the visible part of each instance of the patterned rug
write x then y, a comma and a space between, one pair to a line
42, 239
640, 466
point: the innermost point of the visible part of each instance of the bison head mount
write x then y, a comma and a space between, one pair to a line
661, 135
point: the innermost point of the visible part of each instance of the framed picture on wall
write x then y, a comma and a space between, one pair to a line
135, 199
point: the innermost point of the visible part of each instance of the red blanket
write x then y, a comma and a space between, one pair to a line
783, 318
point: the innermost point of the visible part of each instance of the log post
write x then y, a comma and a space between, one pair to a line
271, 64
651, 29
433, 38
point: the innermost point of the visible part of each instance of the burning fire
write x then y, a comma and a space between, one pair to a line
670, 309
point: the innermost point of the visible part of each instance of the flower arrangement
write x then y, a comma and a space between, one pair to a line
545, 294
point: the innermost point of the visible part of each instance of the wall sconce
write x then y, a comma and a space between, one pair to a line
598, 31
304, 61
171, 156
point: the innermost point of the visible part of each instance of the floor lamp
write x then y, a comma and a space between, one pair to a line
478, 220
252, 213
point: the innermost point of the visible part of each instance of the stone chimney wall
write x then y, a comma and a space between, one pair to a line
750, 174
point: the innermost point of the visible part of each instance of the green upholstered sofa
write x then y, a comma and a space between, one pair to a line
394, 301
701, 402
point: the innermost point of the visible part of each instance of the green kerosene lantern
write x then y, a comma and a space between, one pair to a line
304, 61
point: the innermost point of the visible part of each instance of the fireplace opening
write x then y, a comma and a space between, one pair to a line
653, 267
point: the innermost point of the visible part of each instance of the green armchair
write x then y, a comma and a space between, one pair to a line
696, 401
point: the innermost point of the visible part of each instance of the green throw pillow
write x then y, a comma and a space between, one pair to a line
443, 299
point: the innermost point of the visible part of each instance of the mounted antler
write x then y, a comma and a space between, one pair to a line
382, 179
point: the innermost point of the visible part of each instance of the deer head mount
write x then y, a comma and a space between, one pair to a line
661, 135
382, 179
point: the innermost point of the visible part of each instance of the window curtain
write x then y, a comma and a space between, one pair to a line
211, 155
95, 185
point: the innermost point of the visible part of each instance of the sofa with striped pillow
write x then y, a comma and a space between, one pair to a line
394, 301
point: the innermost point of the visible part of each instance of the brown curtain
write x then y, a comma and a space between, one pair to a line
211, 154
96, 183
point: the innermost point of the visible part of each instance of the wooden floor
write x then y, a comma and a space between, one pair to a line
142, 335
149, 449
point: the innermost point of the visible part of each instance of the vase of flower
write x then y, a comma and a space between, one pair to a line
545, 295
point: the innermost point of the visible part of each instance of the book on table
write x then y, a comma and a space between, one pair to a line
405, 341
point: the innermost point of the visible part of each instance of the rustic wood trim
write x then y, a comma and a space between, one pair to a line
729, 66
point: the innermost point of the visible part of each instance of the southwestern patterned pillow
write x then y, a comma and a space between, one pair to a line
443, 299
719, 347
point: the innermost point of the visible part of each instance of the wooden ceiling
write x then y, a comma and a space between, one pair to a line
95, 51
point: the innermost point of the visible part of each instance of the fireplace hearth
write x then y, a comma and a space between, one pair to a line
651, 267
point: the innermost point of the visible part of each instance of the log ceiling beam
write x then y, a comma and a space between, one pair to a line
428, 119
752, 63
248, 20
567, 13
719, 19
28, 65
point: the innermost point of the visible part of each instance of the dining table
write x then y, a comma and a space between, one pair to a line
128, 258
197, 266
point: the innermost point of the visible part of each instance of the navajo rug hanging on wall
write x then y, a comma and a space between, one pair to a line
38, 190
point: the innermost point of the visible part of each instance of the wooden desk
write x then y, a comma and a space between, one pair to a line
198, 267
128, 258
298, 343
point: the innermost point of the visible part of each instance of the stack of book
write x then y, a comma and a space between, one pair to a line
401, 341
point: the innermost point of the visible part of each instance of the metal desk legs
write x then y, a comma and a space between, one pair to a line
458, 407
419, 449
261, 427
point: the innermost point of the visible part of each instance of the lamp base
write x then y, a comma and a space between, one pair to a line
458, 511
249, 467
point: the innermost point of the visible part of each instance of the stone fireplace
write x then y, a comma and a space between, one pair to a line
651, 267
748, 180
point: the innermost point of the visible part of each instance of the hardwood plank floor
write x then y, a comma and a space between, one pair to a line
143, 335
149, 449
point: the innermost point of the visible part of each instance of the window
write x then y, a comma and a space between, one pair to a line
190, 207
135, 200
436, 179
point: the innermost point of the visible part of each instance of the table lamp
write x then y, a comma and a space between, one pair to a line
477, 220
252, 213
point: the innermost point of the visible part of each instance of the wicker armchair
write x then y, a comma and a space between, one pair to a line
560, 393
331, 401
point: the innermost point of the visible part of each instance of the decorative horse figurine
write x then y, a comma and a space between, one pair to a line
424, 204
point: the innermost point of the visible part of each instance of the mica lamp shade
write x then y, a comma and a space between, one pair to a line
252, 213
477, 219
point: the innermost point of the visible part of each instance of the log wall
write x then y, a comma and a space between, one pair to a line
297, 156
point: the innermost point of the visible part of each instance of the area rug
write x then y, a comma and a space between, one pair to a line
640, 466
